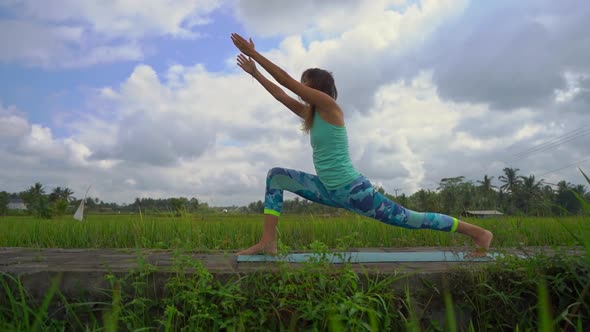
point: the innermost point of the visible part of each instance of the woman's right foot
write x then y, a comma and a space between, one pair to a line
482, 241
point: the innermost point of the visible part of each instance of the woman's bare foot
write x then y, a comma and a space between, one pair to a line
481, 237
482, 240
268, 247
268, 243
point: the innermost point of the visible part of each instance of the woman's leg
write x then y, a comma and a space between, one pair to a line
361, 197
279, 179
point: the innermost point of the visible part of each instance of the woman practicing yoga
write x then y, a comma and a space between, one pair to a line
337, 182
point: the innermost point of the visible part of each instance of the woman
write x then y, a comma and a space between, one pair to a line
337, 183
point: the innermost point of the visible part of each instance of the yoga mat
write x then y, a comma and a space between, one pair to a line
372, 257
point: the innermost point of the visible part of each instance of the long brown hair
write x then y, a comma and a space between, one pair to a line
322, 80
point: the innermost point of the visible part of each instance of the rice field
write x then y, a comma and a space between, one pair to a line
232, 232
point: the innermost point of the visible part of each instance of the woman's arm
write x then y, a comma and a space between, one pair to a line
309, 95
250, 67
296, 107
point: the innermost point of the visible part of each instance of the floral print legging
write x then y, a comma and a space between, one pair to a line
358, 196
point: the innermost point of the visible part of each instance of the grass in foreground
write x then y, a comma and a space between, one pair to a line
540, 294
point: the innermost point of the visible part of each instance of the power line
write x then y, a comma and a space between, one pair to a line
574, 132
566, 166
547, 145
550, 145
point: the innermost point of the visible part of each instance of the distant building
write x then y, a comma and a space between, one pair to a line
482, 213
16, 204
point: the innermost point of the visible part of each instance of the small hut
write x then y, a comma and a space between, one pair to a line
482, 213
16, 204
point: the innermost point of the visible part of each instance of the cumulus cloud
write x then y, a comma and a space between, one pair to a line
374, 49
58, 46
266, 18
189, 132
31, 153
512, 55
67, 33
12, 124
127, 19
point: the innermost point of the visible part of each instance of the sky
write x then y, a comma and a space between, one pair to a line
143, 98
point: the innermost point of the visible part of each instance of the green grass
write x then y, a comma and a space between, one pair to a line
230, 232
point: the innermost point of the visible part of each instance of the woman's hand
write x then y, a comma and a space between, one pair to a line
247, 64
246, 47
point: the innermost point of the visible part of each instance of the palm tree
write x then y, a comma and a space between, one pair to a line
55, 194
67, 194
37, 189
529, 184
510, 179
487, 192
580, 189
530, 193
565, 199
486, 184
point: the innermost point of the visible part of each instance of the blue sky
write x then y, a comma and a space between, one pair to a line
44, 92
145, 97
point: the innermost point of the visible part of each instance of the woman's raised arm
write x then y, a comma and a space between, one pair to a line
309, 95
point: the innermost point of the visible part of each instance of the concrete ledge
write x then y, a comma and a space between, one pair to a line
83, 272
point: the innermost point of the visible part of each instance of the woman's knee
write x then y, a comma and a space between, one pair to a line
275, 171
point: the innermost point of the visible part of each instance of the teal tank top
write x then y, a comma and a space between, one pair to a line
331, 157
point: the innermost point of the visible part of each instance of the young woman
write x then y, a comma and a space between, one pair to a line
337, 182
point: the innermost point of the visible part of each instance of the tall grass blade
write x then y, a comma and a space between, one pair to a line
13, 302
413, 325
42, 314
450, 312
544, 309
335, 324
585, 205
111, 318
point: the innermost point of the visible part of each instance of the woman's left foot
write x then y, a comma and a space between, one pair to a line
265, 247
477, 253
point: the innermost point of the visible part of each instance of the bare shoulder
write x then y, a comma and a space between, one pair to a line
333, 115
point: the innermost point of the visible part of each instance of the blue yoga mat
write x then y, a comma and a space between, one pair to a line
372, 257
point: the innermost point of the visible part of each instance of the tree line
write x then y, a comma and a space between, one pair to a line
514, 195
61, 200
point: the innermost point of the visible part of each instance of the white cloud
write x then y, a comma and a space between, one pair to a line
12, 124
405, 129
572, 88
186, 132
31, 153
123, 18
366, 53
69, 33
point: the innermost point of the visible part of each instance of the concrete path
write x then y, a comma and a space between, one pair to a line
18, 261
84, 270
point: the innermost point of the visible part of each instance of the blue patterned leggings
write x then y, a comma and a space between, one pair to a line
358, 196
